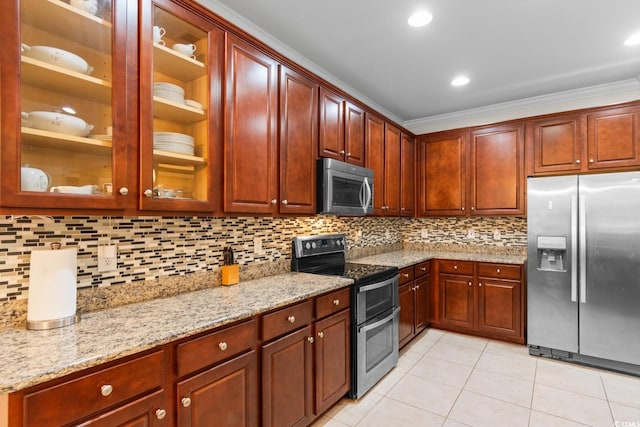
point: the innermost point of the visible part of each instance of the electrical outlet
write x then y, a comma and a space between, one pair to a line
424, 233
496, 235
257, 245
358, 235
387, 234
471, 234
107, 258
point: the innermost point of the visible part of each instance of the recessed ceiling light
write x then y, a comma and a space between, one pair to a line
460, 81
633, 40
420, 18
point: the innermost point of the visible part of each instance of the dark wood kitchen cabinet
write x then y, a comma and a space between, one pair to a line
342, 128
414, 299
298, 142
481, 298
613, 138
250, 146
442, 174
383, 147
407, 175
556, 144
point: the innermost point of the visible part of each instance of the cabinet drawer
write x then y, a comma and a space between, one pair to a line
286, 319
332, 302
422, 268
499, 271
456, 267
94, 392
216, 346
406, 275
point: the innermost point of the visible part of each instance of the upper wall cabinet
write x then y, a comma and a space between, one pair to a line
66, 104
556, 143
181, 69
251, 144
407, 175
383, 156
342, 129
613, 138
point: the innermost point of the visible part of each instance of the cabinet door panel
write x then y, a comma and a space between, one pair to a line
298, 142
392, 170
557, 144
287, 380
407, 176
333, 360
354, 134
331, 125
405, 327
251, 139
457, 301
442, 175
614, 138
497, 170
499, 306
139, 413
374, 137
225, 395
422, 302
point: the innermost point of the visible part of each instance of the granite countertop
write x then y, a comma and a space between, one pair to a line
406, 258
31, 357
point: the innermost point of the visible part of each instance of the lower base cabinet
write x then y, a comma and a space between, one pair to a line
414, 294
145, 412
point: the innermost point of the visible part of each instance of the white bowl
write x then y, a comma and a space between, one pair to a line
57, 122
194, 104
59, 57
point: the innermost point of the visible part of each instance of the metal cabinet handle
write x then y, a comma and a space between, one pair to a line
417, 286
341, 151
348, 154
106, 389
291, 319
455, 267
473, 208
498, 270
462, 208
223, 346
185, 402
423, 268
274, 201
591, 161
285, 202
405, 275
469, 283
320, 334
124, 191
161, 413
336, 302
148, 193
311, 340
577, 161
479, 284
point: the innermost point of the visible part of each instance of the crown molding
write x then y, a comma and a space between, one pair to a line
592, 96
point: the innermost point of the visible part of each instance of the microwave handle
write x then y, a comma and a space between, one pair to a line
366, 189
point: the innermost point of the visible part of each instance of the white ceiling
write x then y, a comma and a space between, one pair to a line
514, 51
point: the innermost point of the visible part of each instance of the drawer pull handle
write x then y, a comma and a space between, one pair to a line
455, 267
320, 334
417, 286
311, 340
336, 302
405, 275
480, 284
106, 389
161, 413
423, 268
498, 271
469, 283
185, 402
223, 346
291, 319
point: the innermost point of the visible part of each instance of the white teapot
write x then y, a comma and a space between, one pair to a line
32, 179
89, 6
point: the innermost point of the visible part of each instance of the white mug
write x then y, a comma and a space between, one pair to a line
158, 32
185, 49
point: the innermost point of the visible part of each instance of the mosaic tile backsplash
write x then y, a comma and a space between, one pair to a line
150, 248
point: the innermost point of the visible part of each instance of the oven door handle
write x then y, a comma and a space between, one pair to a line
379, 322
367, 288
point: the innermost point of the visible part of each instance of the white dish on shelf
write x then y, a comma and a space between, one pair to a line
172, 137
56, 122
174, 148
59, 57
168, 87
194, 104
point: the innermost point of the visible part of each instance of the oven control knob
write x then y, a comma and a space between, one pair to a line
313, 245
307, 245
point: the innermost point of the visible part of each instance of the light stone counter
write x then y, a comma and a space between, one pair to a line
406, 258
31, 357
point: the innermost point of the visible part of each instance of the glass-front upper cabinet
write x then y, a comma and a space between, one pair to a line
64, 104
181, 63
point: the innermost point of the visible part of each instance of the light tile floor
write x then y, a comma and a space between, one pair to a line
453, 380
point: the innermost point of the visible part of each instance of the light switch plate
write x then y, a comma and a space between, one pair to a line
107, 258
257, 245
424, 233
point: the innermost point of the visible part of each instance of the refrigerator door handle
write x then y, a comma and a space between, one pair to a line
582, 224
574, 248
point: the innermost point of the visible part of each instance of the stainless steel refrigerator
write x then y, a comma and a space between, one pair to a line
583, 269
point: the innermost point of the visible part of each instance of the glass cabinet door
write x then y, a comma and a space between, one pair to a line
180, 108
61, 125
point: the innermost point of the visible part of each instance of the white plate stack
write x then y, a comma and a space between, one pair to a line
169, 91
173, 142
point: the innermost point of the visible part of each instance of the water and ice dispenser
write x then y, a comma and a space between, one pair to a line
552, 253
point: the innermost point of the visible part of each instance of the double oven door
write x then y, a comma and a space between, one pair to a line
375, 333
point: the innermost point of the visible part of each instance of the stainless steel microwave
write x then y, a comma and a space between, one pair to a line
344, 189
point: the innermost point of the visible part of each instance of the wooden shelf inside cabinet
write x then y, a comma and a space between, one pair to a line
169, 62
178, 159
78, 144
176, 112
61, 19
40, 74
